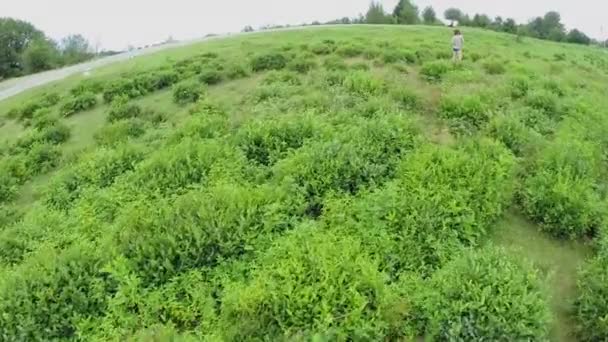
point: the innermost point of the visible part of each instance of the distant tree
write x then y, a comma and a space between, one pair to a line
376, 15
15, 37
510, 26
75, 49
465, 20
247, 28
481, 20
40, 55
406, 13
578, 37
497, 24
552, 23
429, 16
453, 14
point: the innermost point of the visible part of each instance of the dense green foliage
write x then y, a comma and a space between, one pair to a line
324, 184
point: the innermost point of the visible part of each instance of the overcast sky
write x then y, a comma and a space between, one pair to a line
117, 23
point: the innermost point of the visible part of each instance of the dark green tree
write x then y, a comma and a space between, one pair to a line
75, 49
407, 13
376, 14
453, 14
481, 20
429, 16
578, 37
15, 36
510, 26
40, 55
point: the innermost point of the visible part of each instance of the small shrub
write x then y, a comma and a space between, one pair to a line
363, 83
187, 92
334, 63
494, 67
406, 98
349, 50
43, 117
545, 101
236, 71
55, 134
519, 87
371, 52
554, 87
324, 287
282, 77
269, 61
42, 158
302, 64
80, 103
360, 66
121, 108
474, 56
434, 71
8, 186
471, 110
591, 306
508, 129
87, 86
558, 57
559, 192
27, 110
210, 76
119, 131
323, 48
487, 295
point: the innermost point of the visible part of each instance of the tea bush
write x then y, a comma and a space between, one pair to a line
87, 86
494, 67
267, 141
509, 130
519, 87
121, 108
487, 295
439, 203
559, 192
325, 288
468, 110
434, 71
34, 299
334, 63
302, 64
323, 48
210, 76
187, 92
545, 101
80, 103
591, 306
199, 228
43, 117
27, 110
118, 132
349, 50
42, 158
269, 61
363, 83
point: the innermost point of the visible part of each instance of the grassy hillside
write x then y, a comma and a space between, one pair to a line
342, 183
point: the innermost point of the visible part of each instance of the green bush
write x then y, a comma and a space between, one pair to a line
43, 117
187, 91
310, 285
468, 110
42, 158
441, 201
282, 76
324, 48
120, 131
87, 86
47, 297
509, 130
121, 108
267, 141
363, 83
434, 71
55, 134
334, 63
519, 87
27, 110
269, 61
210, 76
201, 228
349, 50
237, 70
545, 101
302, 64
406, 98
591, 306
8, 186
80, 103
559, 191
487, 295
494, 67
361, 156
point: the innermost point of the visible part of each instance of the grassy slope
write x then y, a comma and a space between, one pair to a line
559, 260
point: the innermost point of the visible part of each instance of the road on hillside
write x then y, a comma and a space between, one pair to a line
15, 86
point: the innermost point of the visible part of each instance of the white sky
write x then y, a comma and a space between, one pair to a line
117, 23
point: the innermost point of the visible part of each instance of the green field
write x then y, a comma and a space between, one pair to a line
329, 183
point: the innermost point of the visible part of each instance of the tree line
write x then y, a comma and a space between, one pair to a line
547, 27
24, 49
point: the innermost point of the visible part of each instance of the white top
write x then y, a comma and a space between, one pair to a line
458, 42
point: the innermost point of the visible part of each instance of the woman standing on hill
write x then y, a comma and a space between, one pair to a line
457, 45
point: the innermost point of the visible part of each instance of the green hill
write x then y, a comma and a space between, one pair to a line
330, 183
